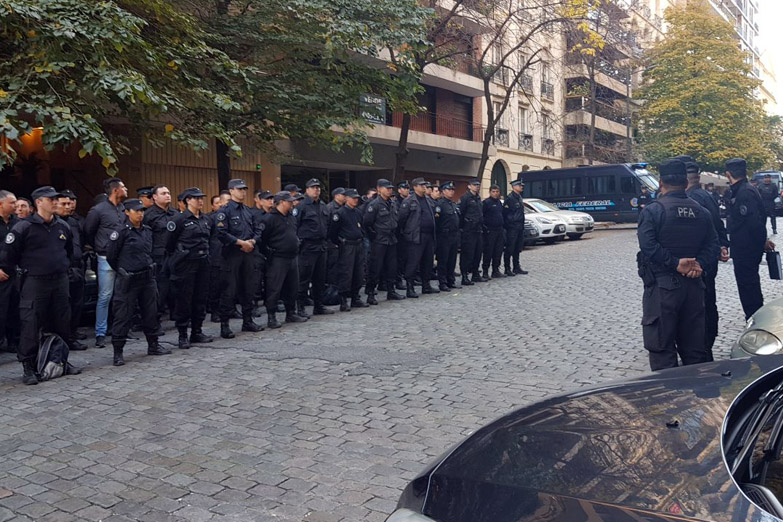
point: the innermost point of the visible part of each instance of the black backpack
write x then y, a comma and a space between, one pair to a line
52, 357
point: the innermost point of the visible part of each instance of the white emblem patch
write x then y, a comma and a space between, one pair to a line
171, 226
10, 238
221, 216
335, 217
295, 211
437, 209
370, 209
114, 235
261, 227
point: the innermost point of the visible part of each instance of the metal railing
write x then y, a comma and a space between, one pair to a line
548, 146
501, 137
547, 91
525, 142
441, 125
526, 83
604, 110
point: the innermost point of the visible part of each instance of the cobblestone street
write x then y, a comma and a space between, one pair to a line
325, 421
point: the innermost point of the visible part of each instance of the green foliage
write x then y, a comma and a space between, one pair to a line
775, 133
698, 94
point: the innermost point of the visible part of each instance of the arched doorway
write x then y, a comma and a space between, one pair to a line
499, 177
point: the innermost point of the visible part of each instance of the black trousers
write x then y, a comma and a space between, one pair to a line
240, 280
494, 240
746, 272
350, 268
44, 305
446, 248
76, 290
215, 288
9, 311
470, 253
419, 259
402, 257
332, 254
673, 321
260, 262
515, 240
162, 278
710, 314
773, 219
190, 306
131, 293
382, 266
312, 271
282, 282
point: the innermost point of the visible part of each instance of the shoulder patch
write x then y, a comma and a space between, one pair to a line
335, 217
171, 226
405, 205
437, 209
370, 208
294, 212
10, 238
114, 235
221, 216
261, 227
743, 210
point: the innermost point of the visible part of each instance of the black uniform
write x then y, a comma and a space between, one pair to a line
402, 247
9, 296
416, 221
76, 274
188, 255
332, 251
130, 255
703, 198
43, 253
643, 200
674, 227
747, 235
312, 223
215, 271
769, 193
447, 240
514, 219
103, 219
281, 246
345, 230
162, 223
472, 221
380, 225
240, 269
492, 210
259, 214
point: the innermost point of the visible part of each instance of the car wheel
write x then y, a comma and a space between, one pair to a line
575, 236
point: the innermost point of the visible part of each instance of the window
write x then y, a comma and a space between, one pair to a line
546, 124
566, 187
535, 189
523, 116
627, 185
601, 185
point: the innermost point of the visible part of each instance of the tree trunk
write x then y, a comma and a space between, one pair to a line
489, 133
223, 164
401, 156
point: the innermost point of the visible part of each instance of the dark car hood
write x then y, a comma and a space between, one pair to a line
608, 445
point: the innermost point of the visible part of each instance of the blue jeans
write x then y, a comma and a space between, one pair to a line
105, 290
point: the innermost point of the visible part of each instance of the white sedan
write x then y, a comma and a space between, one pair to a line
577, 223
550, 228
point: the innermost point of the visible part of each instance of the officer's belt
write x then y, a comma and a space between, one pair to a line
49, 277
140, 273
350, 241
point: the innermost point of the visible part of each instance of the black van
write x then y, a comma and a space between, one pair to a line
606, 192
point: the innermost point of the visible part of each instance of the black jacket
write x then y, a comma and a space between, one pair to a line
38, 247
380, 221
162, 223
514, 211
472, 218
747, 221
446, 216
312, 223
192, 235
492, 213
409, 220
278, 235
768, 195
130, 248
235, 221
346, 225
103, 219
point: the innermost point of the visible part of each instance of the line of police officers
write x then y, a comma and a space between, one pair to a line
287, 248
682, 239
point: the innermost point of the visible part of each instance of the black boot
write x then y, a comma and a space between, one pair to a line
394, 296
478, 279
248, 325
214, 318
292, 317
271, 320
443, 287
508, 272
118, 358
183, 342
199, 337
29, 377
345, 306
225, 330
497, 274
411, 291
301, 312
371, 300
399, 285
466, 280
356, 302
486, 274
427, 288
519, 271
320, 309
153, 348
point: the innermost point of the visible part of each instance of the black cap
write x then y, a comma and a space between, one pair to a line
494, 187
351, 193
418, 181
192, 192
448, 185
339, 191
691, 167
144, 192
237, 184
44, 192
474, 181
767, 176
403, 185
133, 204
291, 187
283, 195
299, 197
428, 184
673, 172
67, 193
738, 167
312, 183
517, 182
265, 194
384, 183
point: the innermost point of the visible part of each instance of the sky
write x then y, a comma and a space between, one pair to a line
770, 22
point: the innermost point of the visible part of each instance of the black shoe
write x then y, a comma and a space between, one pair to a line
371, 300
357, 302
257, 312
443, 287
183, 342
100, 341
28, 375
249, 326
280, 307
451, 285
200, 338
76, 346
225, 331
236, 314
466, 281
345, 306
118, 358
294, 318
79, 336
394, 296
411, 292
214, 318
509, 273
70, 369
156, 349
272, 322
417, 281
322, 310
497, 274
399, 285
478, 279
301, 312
429, 289
520, 271
486, 275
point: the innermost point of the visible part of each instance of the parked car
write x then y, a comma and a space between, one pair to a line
551, 227
531, 233
678, 444
763, 332
577, 223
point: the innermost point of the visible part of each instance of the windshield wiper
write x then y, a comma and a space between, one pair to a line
768, 403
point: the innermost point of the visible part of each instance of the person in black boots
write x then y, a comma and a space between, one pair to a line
472, 220
160, 218
281, 246
312, 222
239, 234
417, 223
380, 225
66, 208
492, 210
447, 236
188, 253
130, 256
514, 219
345, 231
403, 191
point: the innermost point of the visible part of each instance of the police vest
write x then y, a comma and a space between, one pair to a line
682, 231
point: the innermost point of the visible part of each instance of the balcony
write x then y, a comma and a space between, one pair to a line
501, 76
501, 137
604, 110
434, 123
615, 153
548, 146
526, 83
525, 142
547, 91
615, 72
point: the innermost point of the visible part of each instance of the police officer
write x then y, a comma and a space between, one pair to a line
643, 199
264, 203
769, 193
416, 221
145, 196
492, 211
380, 225
472, 221
23, 208
9, 292
130, 255
281, 246
447, 237
514, 219
188, 253
66, 210
677, 241
239, 235
41, 246
160, 218
403, 191
312, 223
345, 231
748, 235
105, 217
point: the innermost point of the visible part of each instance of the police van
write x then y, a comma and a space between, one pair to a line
606, 192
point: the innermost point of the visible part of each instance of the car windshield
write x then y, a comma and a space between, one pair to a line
543, 206
647, 179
